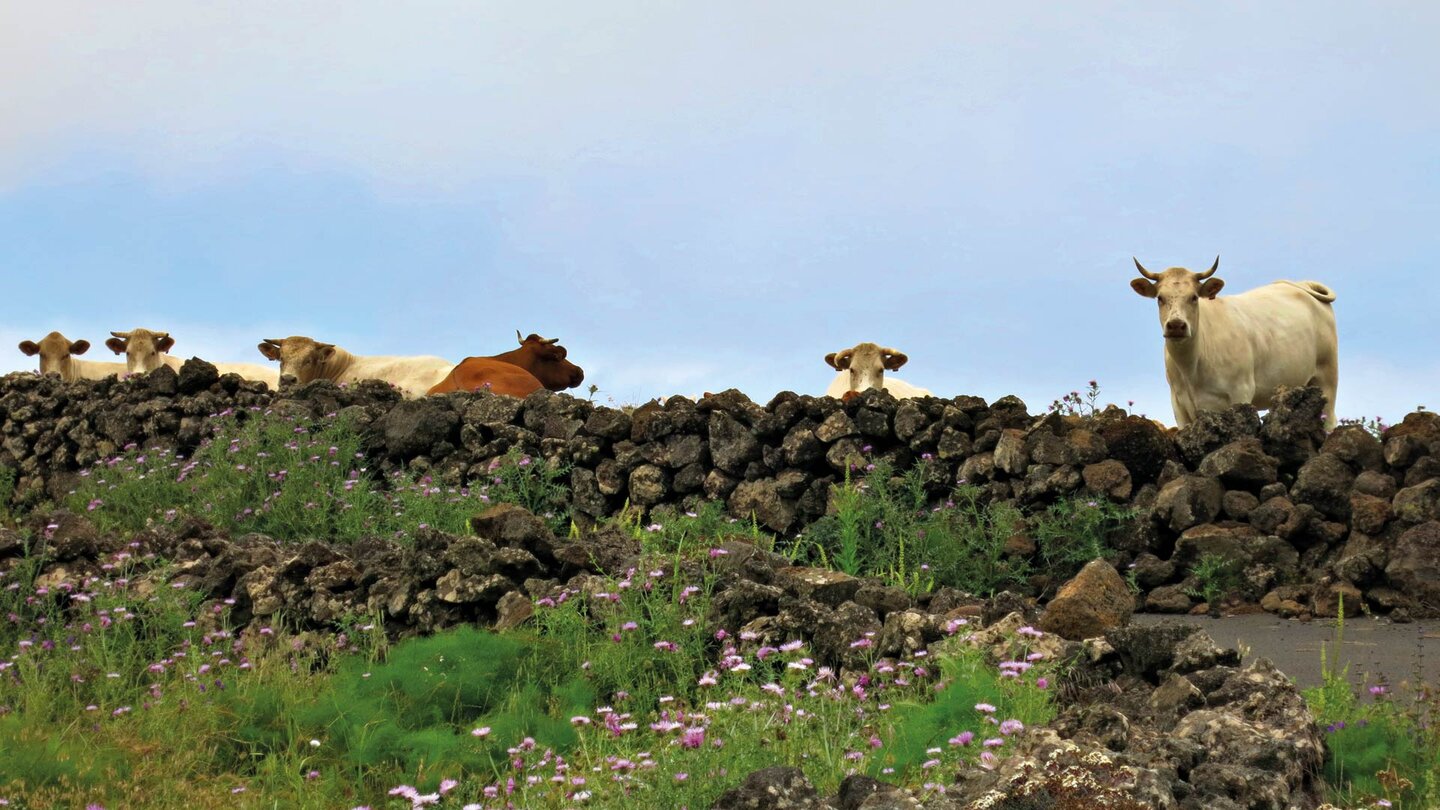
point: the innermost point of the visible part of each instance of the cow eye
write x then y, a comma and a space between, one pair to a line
1194, 298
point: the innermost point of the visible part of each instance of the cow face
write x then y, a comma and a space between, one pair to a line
1178, 291
303, 358
545, 358
142, 348
867, 364
55, 351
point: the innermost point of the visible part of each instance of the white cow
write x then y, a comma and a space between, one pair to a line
146, 351
864, 367
57, 356
308, 359
1238, 349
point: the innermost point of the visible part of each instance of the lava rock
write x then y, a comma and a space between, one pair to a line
1189, 500
1096, 600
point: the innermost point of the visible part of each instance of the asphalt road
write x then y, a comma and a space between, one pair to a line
1372, 647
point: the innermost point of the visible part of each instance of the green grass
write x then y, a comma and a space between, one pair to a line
1382, 745
888, 526
1215, 576
299, 479
8, 477
128, 692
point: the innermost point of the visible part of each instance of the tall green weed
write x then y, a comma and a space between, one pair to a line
889, 526
8, 477
1380, 746
297, 479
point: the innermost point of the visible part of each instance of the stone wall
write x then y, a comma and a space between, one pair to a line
1310, 518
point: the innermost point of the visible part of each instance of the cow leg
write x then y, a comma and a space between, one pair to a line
1244, 394
1328, 378
1184, 415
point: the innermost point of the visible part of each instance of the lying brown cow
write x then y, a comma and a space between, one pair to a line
538, 363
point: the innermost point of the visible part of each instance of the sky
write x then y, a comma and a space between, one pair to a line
694, 197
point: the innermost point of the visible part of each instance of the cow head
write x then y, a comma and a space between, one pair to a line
55, 351
303, 358
545, 358
141, 347
1178, 292
867, 364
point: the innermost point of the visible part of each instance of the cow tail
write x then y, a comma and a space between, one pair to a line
1323, 294
1318, 291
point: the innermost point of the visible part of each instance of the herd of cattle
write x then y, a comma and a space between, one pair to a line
1218, 352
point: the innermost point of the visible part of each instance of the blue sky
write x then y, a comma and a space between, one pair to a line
699, 196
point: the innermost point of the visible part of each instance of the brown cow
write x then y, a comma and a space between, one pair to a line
541, 364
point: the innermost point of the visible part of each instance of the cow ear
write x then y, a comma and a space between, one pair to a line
166, 344
327, 350
29, 347
270, 350
1211, 287
838, 360
893, 360
80, 347
116, 345
1144, 287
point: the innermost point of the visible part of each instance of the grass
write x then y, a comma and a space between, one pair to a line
1215, 576
1383, 748
884, 525
132, 690
8, 477
298, 479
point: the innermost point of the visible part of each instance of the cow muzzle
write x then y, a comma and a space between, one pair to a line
1176, 330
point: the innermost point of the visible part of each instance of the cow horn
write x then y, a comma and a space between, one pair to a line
517, 337
550, 341
1143, 271
121, 335
1210, 272
274, 341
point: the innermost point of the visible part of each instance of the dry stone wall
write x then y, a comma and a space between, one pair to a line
1310, 519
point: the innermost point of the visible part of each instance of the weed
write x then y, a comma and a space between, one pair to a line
299, 479
669, 532
1384, 751
537, 484
1076, 403
971, 697
1216, 576
7, 492
884, 525
1375, 426
129, 694
1073, 531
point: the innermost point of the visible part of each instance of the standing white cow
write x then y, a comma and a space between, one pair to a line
57, 356
308, 359
1238, 349
864, 366
146, 351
